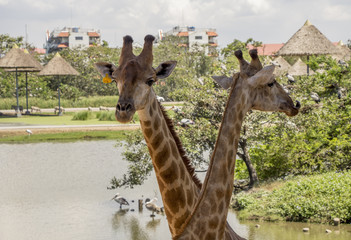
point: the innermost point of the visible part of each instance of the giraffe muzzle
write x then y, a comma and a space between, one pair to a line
124, 112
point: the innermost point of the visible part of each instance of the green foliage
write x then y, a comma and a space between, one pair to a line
106, 116
83, 115
7, 42
318, 198
316, 140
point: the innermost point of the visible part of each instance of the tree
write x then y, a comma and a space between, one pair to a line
273, 145
7, 42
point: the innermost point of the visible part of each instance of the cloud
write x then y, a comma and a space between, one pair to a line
337, 13
264, 20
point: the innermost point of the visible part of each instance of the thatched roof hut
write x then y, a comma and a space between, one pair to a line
16, 58
307, 41
299, 68
57, 66
344, 52
283, 68
37, 67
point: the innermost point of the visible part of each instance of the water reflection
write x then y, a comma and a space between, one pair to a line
59, 191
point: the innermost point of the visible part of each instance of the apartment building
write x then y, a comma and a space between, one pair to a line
71, 37
192, 38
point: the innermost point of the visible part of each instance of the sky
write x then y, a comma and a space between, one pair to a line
268, 21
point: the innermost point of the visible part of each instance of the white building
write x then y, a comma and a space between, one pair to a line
192, 37
71, 37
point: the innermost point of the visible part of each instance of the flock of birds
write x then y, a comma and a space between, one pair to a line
149, 204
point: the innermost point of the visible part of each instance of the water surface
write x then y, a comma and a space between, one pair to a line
59, 191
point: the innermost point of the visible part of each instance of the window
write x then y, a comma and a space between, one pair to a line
198, 37
79, 38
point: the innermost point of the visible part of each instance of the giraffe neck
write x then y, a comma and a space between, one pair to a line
178, 186
212, 208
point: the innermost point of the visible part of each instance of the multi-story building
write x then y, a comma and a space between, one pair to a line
71, 37
192, 37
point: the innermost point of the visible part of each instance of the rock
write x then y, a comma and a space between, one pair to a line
336, 221
305, 229
328, 231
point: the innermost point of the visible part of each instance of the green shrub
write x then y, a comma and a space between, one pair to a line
318, 198
106, 116
83, 115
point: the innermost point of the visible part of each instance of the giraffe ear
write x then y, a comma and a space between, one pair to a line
105, 68
224, 81
262, 77
165, 69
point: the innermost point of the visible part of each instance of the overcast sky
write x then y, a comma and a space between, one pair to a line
269, 21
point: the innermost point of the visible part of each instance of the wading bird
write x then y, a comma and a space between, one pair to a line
121, 200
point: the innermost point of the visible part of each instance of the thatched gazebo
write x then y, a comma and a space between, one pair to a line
16, 59
307, 41
57, 66
37, 68
299, 68
344, 52
283, 68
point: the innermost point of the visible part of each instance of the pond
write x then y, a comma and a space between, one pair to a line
59, 191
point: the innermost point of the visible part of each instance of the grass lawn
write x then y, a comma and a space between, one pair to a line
66, 119
65, 137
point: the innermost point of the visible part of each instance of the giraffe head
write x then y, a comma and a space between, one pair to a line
263, 91
134, 77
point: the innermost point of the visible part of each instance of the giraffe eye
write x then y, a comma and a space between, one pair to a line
150, 81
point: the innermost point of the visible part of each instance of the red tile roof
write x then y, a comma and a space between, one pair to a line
212, 34
40, 50
62, 45
93, 34
183, 34
63, 34
267, 49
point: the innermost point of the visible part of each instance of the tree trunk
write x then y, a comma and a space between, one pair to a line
246, 158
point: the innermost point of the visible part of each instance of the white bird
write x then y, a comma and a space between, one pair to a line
29, 132
185, 122
151, 206
160, 99
291, 79
200, 80
175, 109
315, 97
121, 200
275, 63
342, 63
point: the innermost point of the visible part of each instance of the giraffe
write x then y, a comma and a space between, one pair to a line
253, 88
178, 184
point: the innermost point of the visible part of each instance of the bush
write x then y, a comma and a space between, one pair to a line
106, 116
83, 115
318, 198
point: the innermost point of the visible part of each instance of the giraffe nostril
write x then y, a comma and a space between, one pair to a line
128, 107
118, 107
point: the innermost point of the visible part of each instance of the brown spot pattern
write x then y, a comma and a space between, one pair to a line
162, 156
212, 224
170, 174
157, 140
148, 132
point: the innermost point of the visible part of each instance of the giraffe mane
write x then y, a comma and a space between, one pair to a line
185, 158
